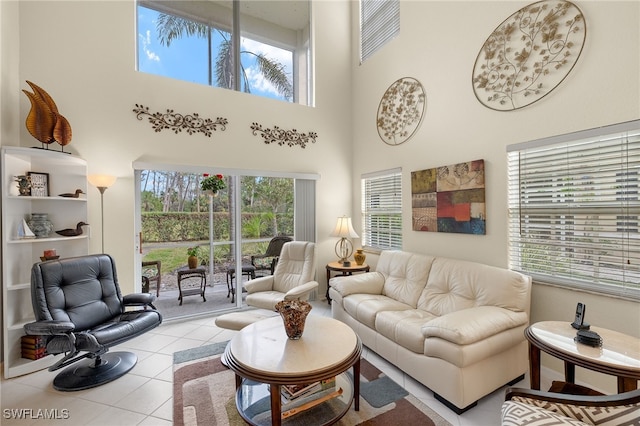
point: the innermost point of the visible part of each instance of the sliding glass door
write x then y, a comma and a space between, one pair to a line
175, 217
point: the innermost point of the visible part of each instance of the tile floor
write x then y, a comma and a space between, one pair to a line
144, 395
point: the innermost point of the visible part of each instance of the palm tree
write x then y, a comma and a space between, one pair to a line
172, 27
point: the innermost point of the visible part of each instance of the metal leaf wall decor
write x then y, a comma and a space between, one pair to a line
177, 122
529, 55
284, 137
401, 111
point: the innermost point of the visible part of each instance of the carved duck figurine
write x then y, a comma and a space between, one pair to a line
69, 232
72, 195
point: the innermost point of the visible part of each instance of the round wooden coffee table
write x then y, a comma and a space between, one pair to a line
619, 354
264, 358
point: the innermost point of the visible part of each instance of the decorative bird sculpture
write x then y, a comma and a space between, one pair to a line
72, 195
69, 232
44, 122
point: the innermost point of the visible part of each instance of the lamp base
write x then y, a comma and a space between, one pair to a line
344, 249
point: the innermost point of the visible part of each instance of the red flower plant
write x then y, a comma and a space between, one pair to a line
213, 183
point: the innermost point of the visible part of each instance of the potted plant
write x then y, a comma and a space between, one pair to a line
211, 184
192, 260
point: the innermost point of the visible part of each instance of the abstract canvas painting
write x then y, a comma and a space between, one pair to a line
449, 199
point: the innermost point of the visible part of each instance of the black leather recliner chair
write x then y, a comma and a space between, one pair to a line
79, 307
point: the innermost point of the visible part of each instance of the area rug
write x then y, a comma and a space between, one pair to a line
204, 394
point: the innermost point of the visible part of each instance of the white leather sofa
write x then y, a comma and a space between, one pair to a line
455, 326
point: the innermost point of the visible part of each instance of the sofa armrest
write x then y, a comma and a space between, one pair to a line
259, 284
471, 325
367, 283
301, 292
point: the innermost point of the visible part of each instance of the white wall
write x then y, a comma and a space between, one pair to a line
438, 45
83, 54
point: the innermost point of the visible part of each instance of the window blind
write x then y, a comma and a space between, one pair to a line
379, 23
574, 214
305, 210
382, 210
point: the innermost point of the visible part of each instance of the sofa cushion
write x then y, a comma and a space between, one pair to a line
365, 307
264, 299
404, 327
454, 285
405, 275
474, 324
465, 355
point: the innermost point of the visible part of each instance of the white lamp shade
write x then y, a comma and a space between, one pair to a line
344, 228
101, 181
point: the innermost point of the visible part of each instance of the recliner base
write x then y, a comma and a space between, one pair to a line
86, 374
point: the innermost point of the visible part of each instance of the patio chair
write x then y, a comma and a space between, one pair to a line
152, 271
268, 260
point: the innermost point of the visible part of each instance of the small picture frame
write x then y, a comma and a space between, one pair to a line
39, 184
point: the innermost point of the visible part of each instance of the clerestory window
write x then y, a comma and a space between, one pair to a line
574, 211
194, 41
379, 23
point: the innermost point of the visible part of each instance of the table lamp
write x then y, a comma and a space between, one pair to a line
344, 247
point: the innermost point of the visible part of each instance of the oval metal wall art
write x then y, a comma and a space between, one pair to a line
529, 55
401, 111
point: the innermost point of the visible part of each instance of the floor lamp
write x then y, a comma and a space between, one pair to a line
102, 182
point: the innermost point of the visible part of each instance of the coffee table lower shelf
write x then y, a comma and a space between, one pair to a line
253, 402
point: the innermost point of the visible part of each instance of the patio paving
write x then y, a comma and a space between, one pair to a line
217, 301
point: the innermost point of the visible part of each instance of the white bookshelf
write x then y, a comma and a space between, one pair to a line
66, 174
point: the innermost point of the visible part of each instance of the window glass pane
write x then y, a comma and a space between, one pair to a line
266, 70
267, 207
185, 58
574, 213
193, 41
221, 59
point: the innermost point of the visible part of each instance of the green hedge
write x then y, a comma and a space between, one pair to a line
175, 227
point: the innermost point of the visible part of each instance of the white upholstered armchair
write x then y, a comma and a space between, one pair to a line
293, 277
